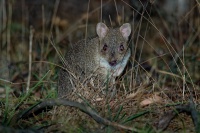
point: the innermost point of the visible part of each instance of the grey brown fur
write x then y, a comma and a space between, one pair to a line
102, 57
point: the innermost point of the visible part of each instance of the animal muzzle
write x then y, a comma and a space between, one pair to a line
113, 63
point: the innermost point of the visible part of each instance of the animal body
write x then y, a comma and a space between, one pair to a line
96, 60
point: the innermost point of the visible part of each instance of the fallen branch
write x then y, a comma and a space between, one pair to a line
188, 108
4, 129
84, 108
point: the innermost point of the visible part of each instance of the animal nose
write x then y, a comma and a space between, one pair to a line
113, 63
112, 53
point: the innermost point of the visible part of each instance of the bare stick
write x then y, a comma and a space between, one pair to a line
57, 2
117, 12
84, 108
5, 129
188, 108
30, 58
9, 21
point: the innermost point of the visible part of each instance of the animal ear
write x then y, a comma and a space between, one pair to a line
101, 30
125, 30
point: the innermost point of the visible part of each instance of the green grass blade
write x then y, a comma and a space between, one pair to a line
118, 113
6, 105
134, 116
26, 96
31, 90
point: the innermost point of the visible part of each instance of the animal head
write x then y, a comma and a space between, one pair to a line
113, 42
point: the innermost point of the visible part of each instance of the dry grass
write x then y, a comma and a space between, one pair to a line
164, 69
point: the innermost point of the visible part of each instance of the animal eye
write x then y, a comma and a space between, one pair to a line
121, 47
105, 47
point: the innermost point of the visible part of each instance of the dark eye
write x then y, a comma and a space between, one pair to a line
105, 47
121, 47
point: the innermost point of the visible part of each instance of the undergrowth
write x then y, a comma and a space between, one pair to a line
163, 71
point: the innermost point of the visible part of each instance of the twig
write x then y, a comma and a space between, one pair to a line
3, 20
9, 21
30, 58
118, 21
195, 116
80, 106
188, 108
12, 130
56, 5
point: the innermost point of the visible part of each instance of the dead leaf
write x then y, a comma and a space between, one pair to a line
132, 95
154, 99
